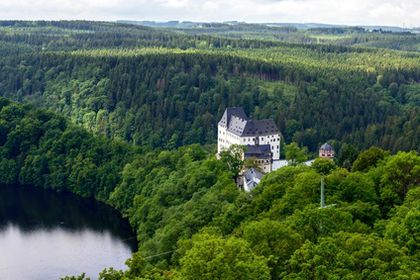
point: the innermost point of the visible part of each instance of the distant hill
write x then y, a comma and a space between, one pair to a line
161, 87
300, 26
391, 37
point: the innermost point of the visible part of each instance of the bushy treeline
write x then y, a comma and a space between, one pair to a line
65, 35
194, 223
39, 148
171, 97
164, 97
339, 36
70, 35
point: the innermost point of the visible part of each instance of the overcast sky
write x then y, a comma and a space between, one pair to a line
352, 12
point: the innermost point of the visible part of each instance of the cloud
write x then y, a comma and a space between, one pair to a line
353, 12
175, 3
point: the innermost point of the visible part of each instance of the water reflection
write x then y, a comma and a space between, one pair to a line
45, 235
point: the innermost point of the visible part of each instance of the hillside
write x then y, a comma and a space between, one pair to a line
128, 114
160, 88
301, 33
192, 222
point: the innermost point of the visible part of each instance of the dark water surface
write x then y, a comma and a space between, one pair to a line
47, 235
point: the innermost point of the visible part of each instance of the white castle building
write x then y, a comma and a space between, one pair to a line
261, 136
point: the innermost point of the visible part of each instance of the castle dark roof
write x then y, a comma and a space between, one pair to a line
258, 151
238, 123
327, 147
252, 174
259, 127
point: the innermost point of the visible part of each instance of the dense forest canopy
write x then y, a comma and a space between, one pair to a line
374, 36
192, 221
160, 88
127, 114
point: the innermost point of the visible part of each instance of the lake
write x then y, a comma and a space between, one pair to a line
47, 235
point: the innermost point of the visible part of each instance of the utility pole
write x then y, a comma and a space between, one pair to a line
322, 193
323, 201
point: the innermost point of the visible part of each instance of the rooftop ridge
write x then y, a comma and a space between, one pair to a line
237, 122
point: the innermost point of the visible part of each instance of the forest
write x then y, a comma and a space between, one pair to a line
159, 89
127, 114
372, 36
192, 222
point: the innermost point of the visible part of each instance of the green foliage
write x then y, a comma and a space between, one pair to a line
313, 222
323, 166
138, 267
304, 190
79, 277
157, 89
366, 212
8, 171
166, 89
351, 256
346, 156
357, 187
295, 154
368, 159
404, 226
41, 149
171, 197
274, 185
401, 173
213, 257
233, 159
273, 240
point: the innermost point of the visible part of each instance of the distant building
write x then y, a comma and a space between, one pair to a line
236, 128
251, 178
261, 154
326, 151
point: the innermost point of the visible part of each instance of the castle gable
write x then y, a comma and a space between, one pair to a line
238, 123
237, 112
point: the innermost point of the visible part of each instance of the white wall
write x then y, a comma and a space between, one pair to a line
226, 139
221, 138
251, 186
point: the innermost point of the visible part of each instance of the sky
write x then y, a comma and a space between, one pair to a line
404, 13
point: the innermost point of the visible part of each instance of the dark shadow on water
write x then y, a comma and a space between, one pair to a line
32, 209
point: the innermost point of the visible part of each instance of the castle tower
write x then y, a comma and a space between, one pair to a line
326, 151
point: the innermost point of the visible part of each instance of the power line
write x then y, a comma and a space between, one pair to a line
160, 254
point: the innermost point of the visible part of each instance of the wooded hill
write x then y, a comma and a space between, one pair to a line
192, 221
312, 33
108, 86
161, 89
